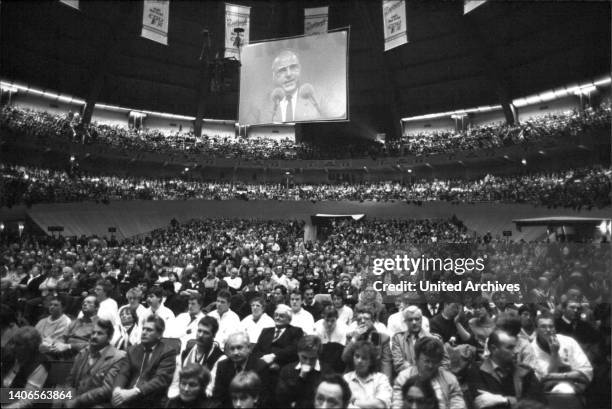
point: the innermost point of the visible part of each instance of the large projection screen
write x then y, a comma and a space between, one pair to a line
292, 80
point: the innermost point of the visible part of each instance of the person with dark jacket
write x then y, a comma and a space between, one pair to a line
499, 382
277, 346
298, 381
146, 374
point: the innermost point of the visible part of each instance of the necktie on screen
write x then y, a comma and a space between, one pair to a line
289, 113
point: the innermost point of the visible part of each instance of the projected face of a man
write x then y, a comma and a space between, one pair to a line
286, 72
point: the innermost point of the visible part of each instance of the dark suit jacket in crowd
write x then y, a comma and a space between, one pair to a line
93, 385
152, 378
285, 347
522, 384
293, 391
582, 331
226, 370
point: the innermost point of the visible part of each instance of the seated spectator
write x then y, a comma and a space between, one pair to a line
228, 320
95, 368
203, 352
279, 296
345, 313
300, 317
255, 322
278, 346
297, 381
527, 332
402, 347
53, 327
366, 332
134, 297
185, 325
239, 359
315, 308
560, 363
233, 280
429, 352
146, 374
129, 329
332, 392
369, 388
448, 325
499, 382
245, 390
481, 325
193, 380
397, 323
418, 393
156, 307
329, 329
79, 332
29, 368
571, 324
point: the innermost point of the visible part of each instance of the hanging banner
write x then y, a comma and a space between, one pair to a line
236, 17
469, 5
155, 16
71, 3
394, 23
315, 20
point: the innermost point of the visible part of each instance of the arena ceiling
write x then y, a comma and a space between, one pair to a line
503, 49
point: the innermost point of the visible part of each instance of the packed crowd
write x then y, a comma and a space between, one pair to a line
576, 188
245, 313
552, 127
69, 127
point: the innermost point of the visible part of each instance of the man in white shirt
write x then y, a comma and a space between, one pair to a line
345, 313
54, 326
560, 362
301, 318
233, 281
157, 308
329, 328
257, 320
108, 309
185, 325
228, 320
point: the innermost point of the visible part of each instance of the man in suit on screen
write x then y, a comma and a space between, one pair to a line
290, 100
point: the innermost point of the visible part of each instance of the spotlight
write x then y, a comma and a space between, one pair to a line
524, 161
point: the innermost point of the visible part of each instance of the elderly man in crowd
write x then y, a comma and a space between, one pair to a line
277, 346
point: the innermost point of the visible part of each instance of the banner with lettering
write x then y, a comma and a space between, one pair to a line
315, 20
469, 5
155, 16
71, 3
394, 23
236, 17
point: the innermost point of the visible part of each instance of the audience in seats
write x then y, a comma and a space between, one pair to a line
95, 369
78, 333
129, 328
329, 328
246, 390
299, 316
228, 320
397, 321
193, 380
185, 325
332, 392
277, 346
157, 308
146, 374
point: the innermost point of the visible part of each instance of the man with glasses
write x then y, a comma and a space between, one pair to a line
366, 332
429, 352
255, 322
